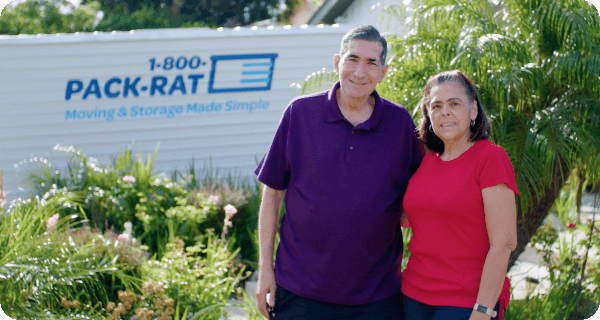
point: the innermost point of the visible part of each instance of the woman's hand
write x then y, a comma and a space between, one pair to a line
476, 315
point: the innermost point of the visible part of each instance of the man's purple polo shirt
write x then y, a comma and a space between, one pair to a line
340, 239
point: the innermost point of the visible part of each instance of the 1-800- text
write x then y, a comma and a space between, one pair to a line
180, 63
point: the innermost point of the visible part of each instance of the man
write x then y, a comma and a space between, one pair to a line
342, 159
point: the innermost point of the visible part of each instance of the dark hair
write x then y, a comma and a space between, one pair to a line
479, 131
368, 33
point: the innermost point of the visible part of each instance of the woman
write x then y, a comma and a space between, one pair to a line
461, 207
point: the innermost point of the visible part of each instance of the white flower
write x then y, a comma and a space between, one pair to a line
52, 223
216, 200
230, 210
128, 228
123, 237
129, 179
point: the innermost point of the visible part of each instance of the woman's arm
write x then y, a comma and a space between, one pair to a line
501, 223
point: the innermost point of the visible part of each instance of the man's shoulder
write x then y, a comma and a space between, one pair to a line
310, 98
395, 109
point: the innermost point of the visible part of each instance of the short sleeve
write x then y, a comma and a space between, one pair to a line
274, 169
496, 168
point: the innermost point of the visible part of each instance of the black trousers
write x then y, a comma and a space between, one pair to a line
289, 306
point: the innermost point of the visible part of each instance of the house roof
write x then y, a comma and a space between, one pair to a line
329, 10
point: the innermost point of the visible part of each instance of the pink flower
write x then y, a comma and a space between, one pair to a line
228, 223
571, 225
129, 179
52, 223
216, 200
123, 237
230, 210
2, 197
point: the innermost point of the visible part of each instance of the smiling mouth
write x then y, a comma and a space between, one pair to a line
445, 125
357, 83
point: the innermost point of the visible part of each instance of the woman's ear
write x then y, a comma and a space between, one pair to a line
474, 110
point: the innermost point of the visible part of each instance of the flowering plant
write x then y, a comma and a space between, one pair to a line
201, 278
153, 304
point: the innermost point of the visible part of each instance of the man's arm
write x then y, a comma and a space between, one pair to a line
268, 221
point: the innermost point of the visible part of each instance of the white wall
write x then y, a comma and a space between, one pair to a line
38, 112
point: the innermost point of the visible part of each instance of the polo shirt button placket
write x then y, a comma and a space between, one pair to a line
349, 155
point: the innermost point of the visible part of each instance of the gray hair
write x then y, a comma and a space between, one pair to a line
368, 33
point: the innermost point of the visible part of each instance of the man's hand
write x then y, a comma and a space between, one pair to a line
266, 284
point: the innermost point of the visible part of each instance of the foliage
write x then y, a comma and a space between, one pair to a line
48, 16
134, 205
286, 15
159, 209
250, 307
152, 303
60, 16
231, 188
247, 202
573, 263
128, 190
317, 81
127, 252
200, 279
40, 266
214, 13
406, 236
146, 18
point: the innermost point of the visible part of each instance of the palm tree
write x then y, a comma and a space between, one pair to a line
536, 65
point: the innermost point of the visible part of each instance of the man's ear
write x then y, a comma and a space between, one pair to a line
336, 63
384, 70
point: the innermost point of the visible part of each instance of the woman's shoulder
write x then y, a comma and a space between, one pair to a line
487, 147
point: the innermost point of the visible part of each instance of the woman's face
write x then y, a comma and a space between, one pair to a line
451, 112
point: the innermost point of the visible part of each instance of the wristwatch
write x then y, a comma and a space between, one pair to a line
486, 310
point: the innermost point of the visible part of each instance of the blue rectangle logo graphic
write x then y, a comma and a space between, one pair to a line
241, 72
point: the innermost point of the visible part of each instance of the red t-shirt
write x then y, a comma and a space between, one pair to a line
444, 206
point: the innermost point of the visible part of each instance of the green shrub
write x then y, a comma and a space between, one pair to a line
200, 279
129, 190
574, 277
40, 264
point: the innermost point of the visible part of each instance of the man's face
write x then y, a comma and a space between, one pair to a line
360, 69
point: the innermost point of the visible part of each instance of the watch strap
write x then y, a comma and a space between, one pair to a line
484, 309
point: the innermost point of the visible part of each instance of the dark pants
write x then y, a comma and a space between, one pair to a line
290, 306
415, 310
